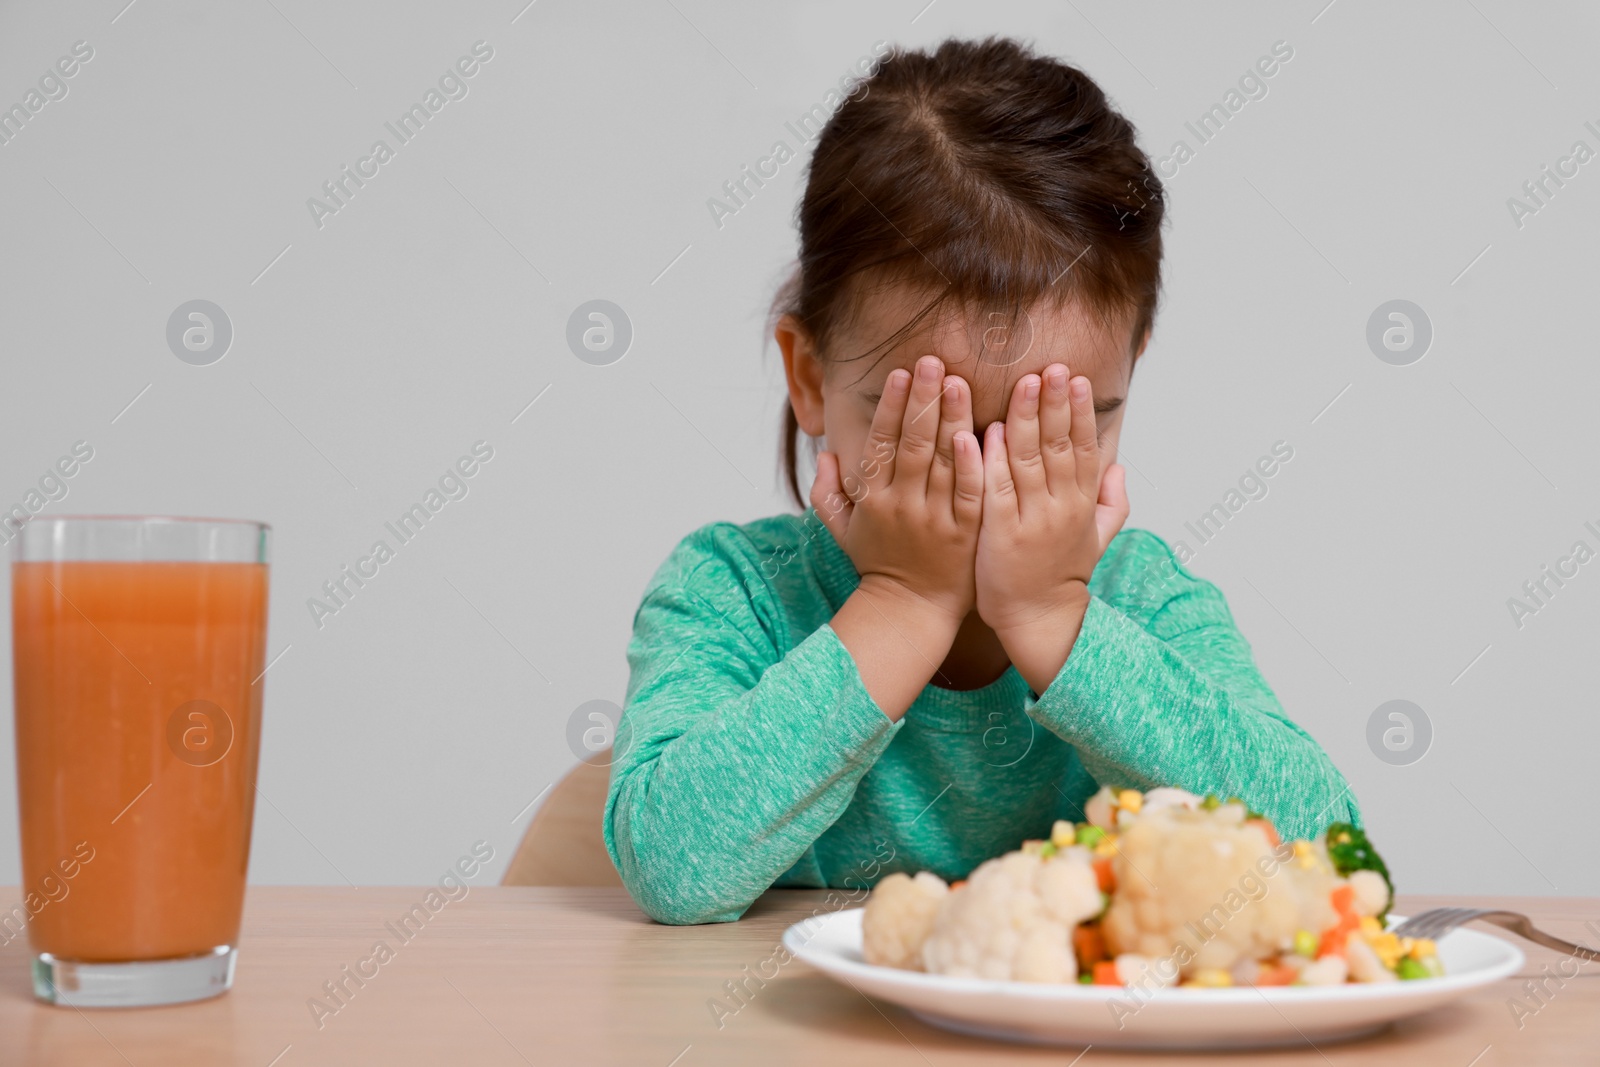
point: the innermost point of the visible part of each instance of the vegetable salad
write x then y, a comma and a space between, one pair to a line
1162, 888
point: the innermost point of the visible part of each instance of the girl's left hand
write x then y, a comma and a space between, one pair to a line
1049, 512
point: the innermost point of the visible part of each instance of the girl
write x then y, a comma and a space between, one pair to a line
954, 645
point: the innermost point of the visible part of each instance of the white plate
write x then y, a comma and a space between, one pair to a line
1108, 1016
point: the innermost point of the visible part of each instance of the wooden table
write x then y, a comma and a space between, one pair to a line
515, 976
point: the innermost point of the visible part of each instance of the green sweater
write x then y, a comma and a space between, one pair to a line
751, 755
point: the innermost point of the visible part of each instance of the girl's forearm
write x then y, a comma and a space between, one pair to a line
1141, 712
897, 640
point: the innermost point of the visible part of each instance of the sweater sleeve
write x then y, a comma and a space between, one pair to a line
731, 758
1164, 691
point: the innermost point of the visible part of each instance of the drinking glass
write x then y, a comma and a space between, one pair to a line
138, 649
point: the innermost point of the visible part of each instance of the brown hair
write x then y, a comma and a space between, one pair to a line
983, 174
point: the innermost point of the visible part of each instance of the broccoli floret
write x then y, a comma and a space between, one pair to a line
1350, 850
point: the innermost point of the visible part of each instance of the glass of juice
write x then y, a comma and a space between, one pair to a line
138, 648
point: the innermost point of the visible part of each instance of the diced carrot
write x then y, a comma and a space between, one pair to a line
958, 883
1089, 944
1343, 900
1267, 828
1105, 973
1334, 937
1278, 974
1103, 874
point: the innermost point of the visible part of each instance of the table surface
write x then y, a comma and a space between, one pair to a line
517, 976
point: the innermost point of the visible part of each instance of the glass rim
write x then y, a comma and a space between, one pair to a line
202, 520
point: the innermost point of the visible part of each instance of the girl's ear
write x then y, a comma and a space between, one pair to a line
804, 372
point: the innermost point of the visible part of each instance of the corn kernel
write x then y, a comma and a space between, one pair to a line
1062, 834
1387, 946
1302, 849
1423, 946
1371, 925
1130, 800
1212, 978
1106, 847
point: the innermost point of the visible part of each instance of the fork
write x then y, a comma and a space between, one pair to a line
1436, 922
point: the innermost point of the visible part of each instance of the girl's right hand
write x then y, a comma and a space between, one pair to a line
908, 517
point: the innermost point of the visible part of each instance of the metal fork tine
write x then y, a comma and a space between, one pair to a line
1456, 917
1417, 924
1433, 922
1436, 922
1447, 919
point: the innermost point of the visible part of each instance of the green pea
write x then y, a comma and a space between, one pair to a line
1410, 968
1090, 834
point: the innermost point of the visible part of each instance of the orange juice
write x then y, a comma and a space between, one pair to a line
138, 724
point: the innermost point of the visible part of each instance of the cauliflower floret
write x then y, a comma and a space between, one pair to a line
1014, 919
898, 916
1329, 970
1189, 886
1371, 892
1365, 965
1100, 809
1134, 970
1169, 797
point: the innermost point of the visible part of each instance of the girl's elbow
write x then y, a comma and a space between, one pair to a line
673, 901
672, 911
666, 889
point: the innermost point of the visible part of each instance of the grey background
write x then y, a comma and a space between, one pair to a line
370, 354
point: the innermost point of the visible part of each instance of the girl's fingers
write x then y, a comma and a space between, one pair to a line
968, 495
1112, 509
833, 507
1022, 437
919, 428
955, 414
999, 490
1055, 429
883, 439
1085, 437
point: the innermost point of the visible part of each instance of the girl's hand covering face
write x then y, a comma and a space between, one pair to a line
1048, 509
908, 514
